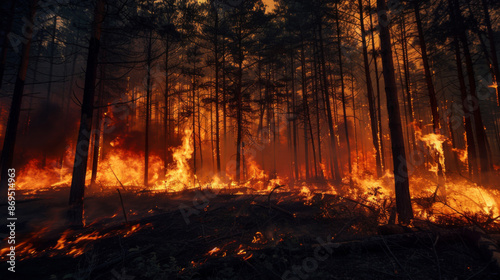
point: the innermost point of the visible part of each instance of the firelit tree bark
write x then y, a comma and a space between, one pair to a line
97, 123
369, 90
239, 101
333, 138
148, 106
472, 99
5, 39
401, 176
406, 67
307, 117
493, 49
193, 107
15, 109
217, 88
294, 121
469, 133
342, 87
77, 191
428, 80
166, 117
377, 81
316, 96
305, 108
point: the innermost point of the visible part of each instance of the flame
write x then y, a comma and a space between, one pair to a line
70, 243
259, 238
34, 178
180, 177
462, 154
434, 142
213, 251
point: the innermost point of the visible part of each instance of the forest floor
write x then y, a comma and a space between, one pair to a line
202, 235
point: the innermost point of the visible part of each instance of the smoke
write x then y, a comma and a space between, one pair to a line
47, 132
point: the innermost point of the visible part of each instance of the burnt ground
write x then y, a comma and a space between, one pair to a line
249, 237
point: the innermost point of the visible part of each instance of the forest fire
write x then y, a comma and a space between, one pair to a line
251, 139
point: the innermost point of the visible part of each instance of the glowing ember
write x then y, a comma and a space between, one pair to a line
70, 243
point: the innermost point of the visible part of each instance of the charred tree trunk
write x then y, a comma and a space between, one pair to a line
427, 71
239, 105
428, 80
5, 41
148, 108
49, 86
198, 114
97, 134
493, 49
294, 123
409, 98
469, 133
77, 191
9, 143
217, 89
472, 99
166, 117
333, 138
224, 98
317, 85
34, 81
369, 90
342, 88
305, 108
403, 201
51, 67
193, 107
377, 81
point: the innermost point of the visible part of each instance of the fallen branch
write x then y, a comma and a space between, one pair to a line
117, 178
269, 196
123, 206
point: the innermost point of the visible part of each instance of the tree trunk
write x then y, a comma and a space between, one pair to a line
198, 114
409, 98
166, 117
51, 66
148, 109
5, 41
377, 80
333, 138
77, 191
305, 107
472, 99
239, 106
342, 85
97, 134
403, 201
9, 143
369, 90
493, 49
217, 66
469, 133
193, 101
317, 85
294, 123
49, 86
430, 85
34, 81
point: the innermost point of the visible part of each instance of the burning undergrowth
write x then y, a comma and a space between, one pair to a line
192, 227
233, 236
